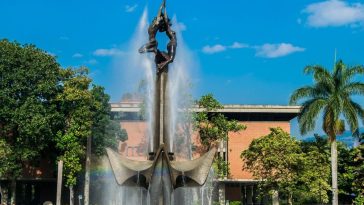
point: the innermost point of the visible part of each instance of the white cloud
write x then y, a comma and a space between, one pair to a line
239, 45
130, 9
276, 50
108, 52
334, 13
220, 48
77, 55
213, 49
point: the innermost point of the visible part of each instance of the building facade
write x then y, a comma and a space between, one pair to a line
239, 185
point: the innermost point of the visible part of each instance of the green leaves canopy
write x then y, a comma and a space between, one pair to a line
46, 111
211, 124
29, 82
283, 163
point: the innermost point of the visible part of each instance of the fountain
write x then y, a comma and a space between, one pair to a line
162, 173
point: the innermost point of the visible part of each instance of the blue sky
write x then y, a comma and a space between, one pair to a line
248, 52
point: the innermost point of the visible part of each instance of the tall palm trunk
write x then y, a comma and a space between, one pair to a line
72, 195
335, 195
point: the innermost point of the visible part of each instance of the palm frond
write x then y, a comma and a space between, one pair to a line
330, 93
318, 91
350, 114
301, 93
309, 113
337, 76
320, 74
339, 69
359, 110
324, 88
355, 88
351, 72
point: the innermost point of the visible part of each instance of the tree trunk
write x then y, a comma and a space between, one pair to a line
275, 197
13, 192
59, 182
87, 173
71, 195
289, 200
335, 197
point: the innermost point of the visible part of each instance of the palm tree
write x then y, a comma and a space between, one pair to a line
331, 97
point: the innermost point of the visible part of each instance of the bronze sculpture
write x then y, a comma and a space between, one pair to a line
162, 173
162, 24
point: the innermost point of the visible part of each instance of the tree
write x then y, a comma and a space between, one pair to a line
351, 173
43, 107
276, 160
358, 182
212, 127
315, 175
76, 102
88, 128
29, 82
104, 131
331, 95
358, 172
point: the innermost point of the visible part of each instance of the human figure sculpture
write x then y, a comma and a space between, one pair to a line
162, 24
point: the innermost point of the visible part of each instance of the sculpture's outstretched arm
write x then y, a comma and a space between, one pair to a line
163, 6
152, 45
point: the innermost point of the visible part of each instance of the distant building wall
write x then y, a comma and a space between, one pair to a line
136, 147
240, 141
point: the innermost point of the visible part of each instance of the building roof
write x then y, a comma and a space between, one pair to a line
236, 111
135, 107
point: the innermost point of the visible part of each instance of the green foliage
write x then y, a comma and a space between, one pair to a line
358, 171
359, 200
76, 102
44, 107
316, 174
87, 114
298, 169
211, 125
221, 167
29, 82
276, 159
7, 161
234, 203
351, 171
105, 132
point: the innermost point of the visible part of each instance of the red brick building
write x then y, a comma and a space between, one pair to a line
239, 185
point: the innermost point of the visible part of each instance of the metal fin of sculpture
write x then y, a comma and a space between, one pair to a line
162, 173
197, 169
194, 171
125, 169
